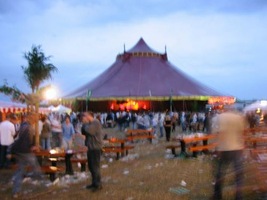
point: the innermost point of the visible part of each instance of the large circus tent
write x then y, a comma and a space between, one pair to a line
142, 78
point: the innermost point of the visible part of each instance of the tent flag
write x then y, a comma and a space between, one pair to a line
89, 93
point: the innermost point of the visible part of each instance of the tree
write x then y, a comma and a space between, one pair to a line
37, 71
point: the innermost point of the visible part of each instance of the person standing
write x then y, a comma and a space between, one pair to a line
22, 150
230, 127
56, 131
168, 127
161, 124
7, 134
46, 133
67, 132
92, 130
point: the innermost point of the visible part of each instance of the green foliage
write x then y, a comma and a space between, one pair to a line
38, 70
14, 92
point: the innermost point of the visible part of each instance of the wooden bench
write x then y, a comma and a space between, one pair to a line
260, 174
139, 137
173, 147
127, 148
196, 149
132, 132
135, 134
255, 140
118, 150
111, 149
82, 161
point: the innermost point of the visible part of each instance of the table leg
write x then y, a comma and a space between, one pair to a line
195, 152
68, 163
206, 151
118, 156
83, 167
53, 162
52, 176
183, 149
122, 147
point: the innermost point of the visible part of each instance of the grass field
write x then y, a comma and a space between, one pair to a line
149, 175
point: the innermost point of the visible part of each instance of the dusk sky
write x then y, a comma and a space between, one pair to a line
220, 43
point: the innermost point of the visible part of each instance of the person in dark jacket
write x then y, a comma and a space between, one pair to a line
92, 130
168, 125
22, 150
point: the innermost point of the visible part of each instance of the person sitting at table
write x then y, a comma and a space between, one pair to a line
67, 133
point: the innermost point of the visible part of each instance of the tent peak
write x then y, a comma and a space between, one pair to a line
141, 49
141, 46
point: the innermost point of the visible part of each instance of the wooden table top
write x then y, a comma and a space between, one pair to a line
196, 138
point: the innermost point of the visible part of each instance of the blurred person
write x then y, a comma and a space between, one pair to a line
133, 117
207, 123
168, 126
193, 122
161, 125
46, 133
67, 133
56, 131
146, 121
140, 122
73, 118
265, 119
183, 122
78, 127
154, 124
22, 149
174, 121
40, 124
7, 134
110, 120
92, 130
230, 127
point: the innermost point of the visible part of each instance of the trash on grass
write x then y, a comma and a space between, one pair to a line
179, 190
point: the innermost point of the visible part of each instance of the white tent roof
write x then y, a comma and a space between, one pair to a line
61, 109
6, 106
262, 105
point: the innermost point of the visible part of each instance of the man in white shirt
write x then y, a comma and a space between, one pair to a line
7, 133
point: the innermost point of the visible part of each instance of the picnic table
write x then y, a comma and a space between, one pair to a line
192, 141
255, 140
136, 134
120, 150
54, 154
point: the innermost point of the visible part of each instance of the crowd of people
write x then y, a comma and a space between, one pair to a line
163, 123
